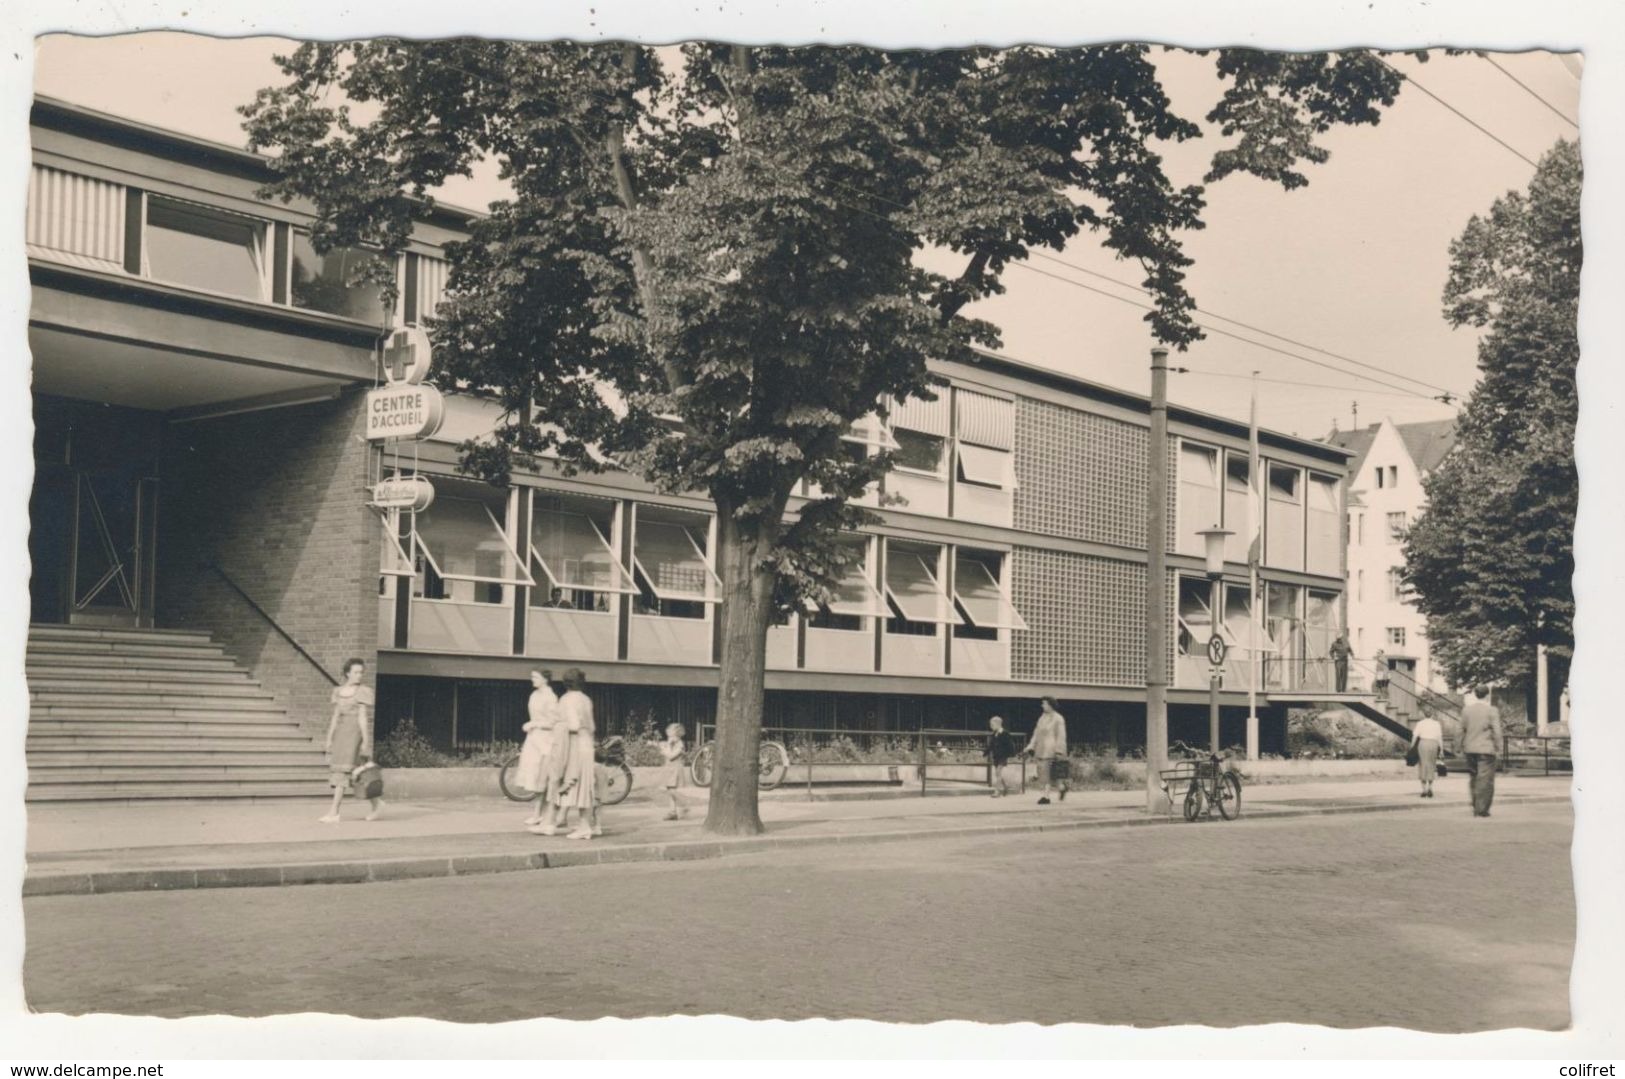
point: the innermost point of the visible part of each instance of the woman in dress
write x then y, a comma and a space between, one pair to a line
349, 737
532, 770
1426, 738
577, 785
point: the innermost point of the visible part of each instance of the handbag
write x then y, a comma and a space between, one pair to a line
1441, 769
367, 781
1411, 756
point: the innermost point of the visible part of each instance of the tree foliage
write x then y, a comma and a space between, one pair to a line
708, 268
1491, 559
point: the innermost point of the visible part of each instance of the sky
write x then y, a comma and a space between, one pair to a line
1352, 265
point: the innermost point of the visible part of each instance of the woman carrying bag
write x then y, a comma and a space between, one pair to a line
1426, 739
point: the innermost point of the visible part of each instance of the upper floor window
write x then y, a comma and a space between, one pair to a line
1199, 498
855, 601
205, 248
1396, 526
985, 430
571, 556
979, 597
1396, 636
333, 283
670, 564
918, 602
921, 430
1382, 476
919, 452
1396, 583
1393, 475
462, 551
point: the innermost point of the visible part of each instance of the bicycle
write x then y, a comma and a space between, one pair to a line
772, 760
1209, 785
615, 778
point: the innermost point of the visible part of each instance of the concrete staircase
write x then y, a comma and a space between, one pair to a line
141, 715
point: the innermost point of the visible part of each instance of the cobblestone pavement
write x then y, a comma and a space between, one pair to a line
1421, 920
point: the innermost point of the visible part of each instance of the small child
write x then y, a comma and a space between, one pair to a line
671, 750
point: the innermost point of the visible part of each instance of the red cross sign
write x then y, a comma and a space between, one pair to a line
407, 356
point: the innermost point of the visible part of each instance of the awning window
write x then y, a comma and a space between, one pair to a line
913, 588
463, 542
673, 564
990, 468
573, 554
977, 592
856, 597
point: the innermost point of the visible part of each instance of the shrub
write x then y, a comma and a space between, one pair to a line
405, 747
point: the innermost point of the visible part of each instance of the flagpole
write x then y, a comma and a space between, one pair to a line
1255, 537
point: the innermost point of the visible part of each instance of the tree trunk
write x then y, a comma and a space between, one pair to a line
747, 595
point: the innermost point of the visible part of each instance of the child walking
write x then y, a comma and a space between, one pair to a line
671, 777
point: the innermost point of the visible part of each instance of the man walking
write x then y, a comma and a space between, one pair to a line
1048, 748
1483, 744
1339, 652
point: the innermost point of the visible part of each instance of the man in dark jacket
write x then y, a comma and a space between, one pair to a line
1483, 743
1339, 653
1000, 749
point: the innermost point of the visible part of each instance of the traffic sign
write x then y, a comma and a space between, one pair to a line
1216, 650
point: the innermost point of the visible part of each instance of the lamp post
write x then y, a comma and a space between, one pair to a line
1213, 550
1156, 586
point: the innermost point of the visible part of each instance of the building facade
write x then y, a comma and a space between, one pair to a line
200, 374
1385, 497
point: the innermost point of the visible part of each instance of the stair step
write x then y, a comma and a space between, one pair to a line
107, 668
190, 792
115, 649
173, 728
139, 740
198, 754
174, 773
136, 688
46, 632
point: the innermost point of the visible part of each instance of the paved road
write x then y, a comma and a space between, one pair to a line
1425, 920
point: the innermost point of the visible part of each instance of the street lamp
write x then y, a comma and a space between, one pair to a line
1213, 551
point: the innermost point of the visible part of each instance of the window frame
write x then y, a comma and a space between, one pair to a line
295, 232
1006, 622
709, 601
946, 615
263, 255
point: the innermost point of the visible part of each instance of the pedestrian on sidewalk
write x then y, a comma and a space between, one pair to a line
533, 769
1339, 651
1483, 743
999, 751
1379, 677
578, 781
671, 776
349, 737
1048, 748
1426, 738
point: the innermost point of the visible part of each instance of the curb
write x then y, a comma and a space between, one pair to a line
105, 882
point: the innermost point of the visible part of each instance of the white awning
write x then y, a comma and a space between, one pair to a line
673, 563
573, 553
856, 596
913, 588
978, 594
463, 542
927, 417
985, 420
393, 561
991, 468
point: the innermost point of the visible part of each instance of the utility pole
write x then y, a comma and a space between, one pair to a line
1254, 554
1156, 585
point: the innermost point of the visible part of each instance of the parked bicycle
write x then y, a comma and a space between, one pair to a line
615, 775
1207, 781
772, 761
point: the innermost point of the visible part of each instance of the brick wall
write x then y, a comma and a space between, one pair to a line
278, 499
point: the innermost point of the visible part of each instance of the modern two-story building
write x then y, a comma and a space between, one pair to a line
202, 471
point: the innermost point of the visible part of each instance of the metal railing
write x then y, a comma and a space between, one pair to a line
272, 622
959, 749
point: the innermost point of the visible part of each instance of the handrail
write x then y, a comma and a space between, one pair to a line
263, 613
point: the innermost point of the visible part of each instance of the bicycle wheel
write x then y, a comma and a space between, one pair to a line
1193, 801
773, 761
617, 784
699, 769
512, 789
1229, 796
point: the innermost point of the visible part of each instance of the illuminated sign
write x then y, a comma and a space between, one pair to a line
414, 493
404, 411
407, 356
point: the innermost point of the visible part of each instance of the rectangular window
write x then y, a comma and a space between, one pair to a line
1359, 528
1381, 477
1324, 544
919, 452
917, 600
978, 597
1396, 636
574, 563
1284, 528
1199, 496
987, 468
984, 420
1396, 526
204, 248
1238, 470
673, 572
335, 283
1359, 585
855, 600
1396, 585
461, 540
1393, 475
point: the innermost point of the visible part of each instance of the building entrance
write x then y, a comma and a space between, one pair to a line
93, 515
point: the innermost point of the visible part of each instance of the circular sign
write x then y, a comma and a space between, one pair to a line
1215, 650
414, 493
407, 356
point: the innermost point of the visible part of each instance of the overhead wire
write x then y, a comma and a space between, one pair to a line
1486, 131
1559, 113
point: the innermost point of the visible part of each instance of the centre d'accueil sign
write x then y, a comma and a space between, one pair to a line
404, 410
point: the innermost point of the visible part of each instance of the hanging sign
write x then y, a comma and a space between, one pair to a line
407, 356
414, 493
402, 410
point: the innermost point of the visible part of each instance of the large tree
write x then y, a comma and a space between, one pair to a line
707, 271
1491, 559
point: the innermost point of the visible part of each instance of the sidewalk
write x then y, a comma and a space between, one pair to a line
89, 849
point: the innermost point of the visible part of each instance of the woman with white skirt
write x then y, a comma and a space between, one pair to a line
532, 771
